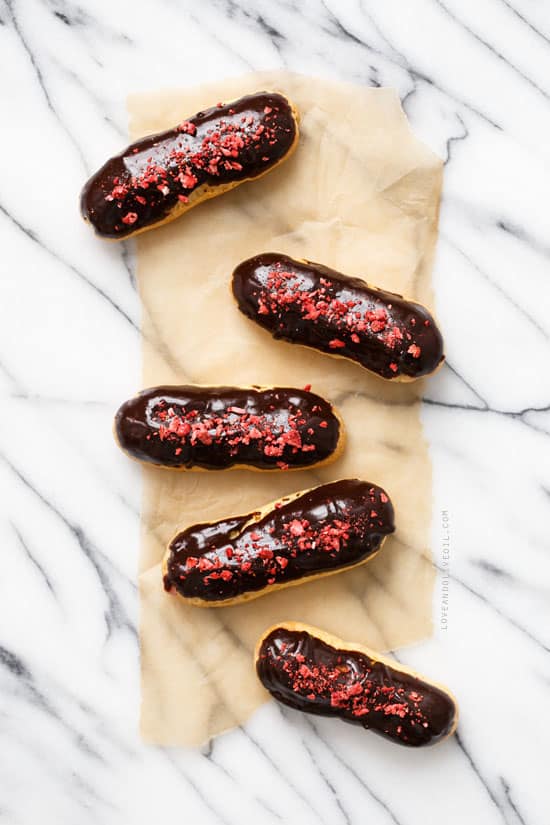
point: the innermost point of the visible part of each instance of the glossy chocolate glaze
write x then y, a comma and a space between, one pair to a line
310, 304
330, 527
307, 674
222, 145
218, 427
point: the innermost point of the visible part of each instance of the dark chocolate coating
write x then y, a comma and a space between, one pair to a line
218, 427
302, 671
309, 304
222, 145
327, 528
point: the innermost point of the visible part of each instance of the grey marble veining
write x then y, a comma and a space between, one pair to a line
474, 79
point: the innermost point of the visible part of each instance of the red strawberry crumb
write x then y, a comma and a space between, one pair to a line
293, 438
271, 450
188, 181
187, 127
398, 709
296, 527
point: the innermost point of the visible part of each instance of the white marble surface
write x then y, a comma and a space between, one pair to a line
475, 81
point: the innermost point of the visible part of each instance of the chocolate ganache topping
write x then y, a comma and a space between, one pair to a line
303, 671
216, 428
322, 530
221, 146
309, 304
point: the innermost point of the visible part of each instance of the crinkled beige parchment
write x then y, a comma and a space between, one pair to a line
361, 194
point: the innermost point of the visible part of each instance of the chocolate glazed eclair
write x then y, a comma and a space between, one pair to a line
304, 536
229, 428
162, 176
312, 671
307, 303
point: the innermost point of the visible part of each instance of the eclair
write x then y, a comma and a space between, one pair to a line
309, 304
304, 536
227, 428
158, 178
312, 671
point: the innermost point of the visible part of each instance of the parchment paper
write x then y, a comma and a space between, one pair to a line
361, 194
